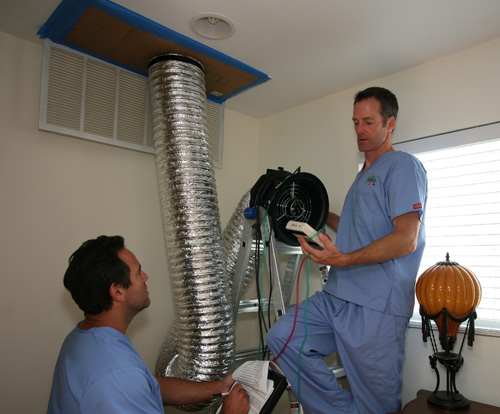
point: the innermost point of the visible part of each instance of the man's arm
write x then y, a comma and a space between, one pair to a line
176, 391
402, 241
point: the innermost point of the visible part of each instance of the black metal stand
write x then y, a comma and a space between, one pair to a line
450, 399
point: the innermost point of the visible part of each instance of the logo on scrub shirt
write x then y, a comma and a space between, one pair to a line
371, 180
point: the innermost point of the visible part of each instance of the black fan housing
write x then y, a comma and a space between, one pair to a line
289, 196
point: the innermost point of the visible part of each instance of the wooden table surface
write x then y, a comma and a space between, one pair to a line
420, 406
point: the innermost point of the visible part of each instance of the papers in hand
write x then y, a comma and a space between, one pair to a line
252, 375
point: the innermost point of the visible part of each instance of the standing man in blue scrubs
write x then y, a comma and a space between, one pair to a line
364, 310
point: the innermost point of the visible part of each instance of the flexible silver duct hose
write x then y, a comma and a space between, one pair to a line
232, 239
203, 330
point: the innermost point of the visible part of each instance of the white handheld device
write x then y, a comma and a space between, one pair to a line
303, 229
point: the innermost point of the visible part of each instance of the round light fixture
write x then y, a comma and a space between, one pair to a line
212, 26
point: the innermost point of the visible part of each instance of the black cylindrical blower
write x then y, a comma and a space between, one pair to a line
286, 196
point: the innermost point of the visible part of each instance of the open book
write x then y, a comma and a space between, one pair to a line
263, 385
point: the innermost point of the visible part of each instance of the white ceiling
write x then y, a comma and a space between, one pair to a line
310, 48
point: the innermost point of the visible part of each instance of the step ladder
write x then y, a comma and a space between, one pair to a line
282, 284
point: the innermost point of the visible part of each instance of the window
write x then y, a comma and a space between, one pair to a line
463, 210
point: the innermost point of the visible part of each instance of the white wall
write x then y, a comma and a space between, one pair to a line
451, 93
57, 192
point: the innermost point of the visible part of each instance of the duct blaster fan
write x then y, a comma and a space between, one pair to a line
277, 198
285, 196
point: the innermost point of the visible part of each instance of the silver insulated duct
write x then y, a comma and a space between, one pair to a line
200, 343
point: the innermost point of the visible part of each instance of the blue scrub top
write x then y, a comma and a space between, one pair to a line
99, 371
395, 184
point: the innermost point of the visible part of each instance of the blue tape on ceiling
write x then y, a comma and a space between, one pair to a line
77, 24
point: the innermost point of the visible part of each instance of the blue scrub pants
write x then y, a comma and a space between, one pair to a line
370, 345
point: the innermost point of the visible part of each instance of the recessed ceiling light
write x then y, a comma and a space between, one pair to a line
212, 26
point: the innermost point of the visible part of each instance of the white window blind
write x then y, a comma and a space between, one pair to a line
463, 214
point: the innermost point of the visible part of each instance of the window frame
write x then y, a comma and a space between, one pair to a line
467, 136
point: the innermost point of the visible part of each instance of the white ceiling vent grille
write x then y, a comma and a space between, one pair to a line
87, 98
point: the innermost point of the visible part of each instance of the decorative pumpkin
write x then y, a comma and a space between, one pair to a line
448, 293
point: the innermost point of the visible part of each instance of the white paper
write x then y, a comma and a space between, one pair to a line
252, 375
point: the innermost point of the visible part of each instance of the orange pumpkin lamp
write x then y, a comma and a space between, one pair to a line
448, 294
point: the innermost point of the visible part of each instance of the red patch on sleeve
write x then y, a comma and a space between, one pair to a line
417, 206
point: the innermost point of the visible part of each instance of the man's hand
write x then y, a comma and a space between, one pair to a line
236, 402
402, 241
329, 255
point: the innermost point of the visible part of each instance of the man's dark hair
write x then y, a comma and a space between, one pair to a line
388, 101
92, 269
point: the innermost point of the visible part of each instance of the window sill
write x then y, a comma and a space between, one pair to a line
481, 327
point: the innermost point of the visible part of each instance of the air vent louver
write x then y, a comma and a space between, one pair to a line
87, 98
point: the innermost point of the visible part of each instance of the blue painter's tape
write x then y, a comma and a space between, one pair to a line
66, 15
